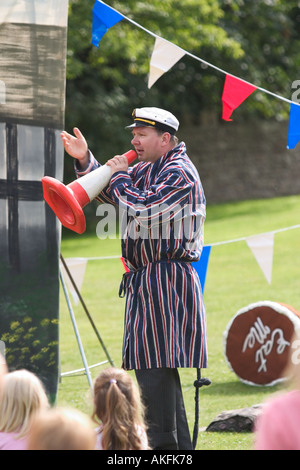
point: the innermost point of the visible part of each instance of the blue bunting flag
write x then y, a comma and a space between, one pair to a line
201, 265
294, 126
104, 18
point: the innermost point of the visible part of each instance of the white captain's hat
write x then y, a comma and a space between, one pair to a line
154, 117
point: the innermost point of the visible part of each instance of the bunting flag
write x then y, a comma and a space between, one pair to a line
294, 126
234, 93
262, 248
104, 17
77, 268
201, 265
164, 56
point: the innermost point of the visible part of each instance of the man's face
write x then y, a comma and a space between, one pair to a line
149, 145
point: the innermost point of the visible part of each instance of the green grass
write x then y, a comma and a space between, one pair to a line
233, 281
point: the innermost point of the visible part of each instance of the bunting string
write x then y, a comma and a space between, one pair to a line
261, 246
166, 54
225, 242
208, 64
261, 234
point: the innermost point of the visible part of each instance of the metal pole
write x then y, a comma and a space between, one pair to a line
86, 310
76, 331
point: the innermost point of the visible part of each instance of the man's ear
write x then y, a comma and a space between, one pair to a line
166, 136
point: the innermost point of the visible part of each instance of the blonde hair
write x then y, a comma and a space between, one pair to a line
22, 395
118, 406
62, 429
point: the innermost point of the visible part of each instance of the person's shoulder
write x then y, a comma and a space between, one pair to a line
179, 162
282, 401
11, 441
143, 437
291, 398
98, 432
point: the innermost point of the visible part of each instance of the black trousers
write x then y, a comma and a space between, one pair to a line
165, 411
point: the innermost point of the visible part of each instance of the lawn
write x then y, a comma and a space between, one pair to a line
233, 281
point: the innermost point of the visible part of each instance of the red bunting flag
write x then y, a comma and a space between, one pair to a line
234, 93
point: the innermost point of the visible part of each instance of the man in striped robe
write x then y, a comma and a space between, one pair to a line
162, 234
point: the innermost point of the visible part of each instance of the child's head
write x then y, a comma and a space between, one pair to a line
118, 406
62, 429
22, 395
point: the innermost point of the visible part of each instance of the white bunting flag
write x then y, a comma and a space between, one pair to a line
164, 56
262, 248
76, 267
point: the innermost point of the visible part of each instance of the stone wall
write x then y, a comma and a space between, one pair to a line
240, 161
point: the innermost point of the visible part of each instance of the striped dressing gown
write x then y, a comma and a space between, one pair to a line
164, 209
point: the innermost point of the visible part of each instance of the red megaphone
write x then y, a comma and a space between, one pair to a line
67, 201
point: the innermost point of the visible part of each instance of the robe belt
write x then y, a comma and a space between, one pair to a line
127, 277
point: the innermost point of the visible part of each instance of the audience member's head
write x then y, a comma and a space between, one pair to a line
22, 396
119, 410
62, 429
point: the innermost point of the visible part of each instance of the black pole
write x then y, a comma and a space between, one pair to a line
198, 384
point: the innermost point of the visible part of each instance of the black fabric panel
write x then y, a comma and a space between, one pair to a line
29, 287
51, 220
13, 212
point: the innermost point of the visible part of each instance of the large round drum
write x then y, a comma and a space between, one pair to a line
257, 340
